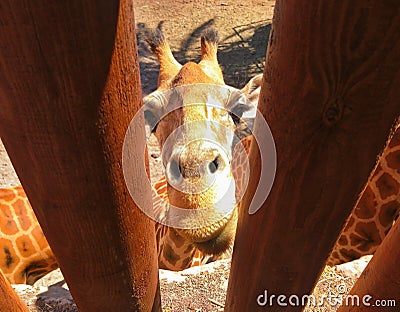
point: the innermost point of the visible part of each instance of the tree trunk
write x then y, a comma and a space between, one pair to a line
9, 300
69, 87
378, 287
330, 95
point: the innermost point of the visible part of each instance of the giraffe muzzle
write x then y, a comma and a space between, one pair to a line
196, 167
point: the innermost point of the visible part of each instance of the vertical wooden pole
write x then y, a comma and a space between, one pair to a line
330, 95
9, 301
377, 289
69, 87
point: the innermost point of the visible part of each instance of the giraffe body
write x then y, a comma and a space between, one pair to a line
25, 253
376, 210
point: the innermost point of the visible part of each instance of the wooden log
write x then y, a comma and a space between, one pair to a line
377, 289
9, 300
330, 95
69, 87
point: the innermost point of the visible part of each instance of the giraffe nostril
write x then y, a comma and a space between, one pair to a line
214, 165
175, 170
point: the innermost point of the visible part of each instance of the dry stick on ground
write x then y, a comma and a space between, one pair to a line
330, 96
69, 88
216, 302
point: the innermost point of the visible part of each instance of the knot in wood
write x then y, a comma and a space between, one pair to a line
333, 113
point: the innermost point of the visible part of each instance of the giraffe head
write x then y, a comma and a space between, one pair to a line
194, 116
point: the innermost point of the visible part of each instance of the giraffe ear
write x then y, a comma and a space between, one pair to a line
243, 103
154, 104
243, 106
252, 92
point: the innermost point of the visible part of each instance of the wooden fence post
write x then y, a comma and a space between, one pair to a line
69, 87
330, 95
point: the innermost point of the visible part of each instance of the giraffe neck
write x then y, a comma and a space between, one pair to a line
175, 252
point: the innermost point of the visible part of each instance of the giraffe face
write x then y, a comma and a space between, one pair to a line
196, 136
194, 116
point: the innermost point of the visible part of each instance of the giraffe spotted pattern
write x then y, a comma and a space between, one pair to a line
376, 210
25, 254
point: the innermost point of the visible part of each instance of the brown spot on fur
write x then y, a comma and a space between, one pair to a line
387, 186
388, 213
343, 240
8, 194
7, 224
20, 207
349, 223
350, 254
366, 236
393, 160
25, 246
334, 255
170, 255
366, 207
8, 257
22, 213
178, 240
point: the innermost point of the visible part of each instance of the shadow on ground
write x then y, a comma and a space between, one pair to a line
241, 54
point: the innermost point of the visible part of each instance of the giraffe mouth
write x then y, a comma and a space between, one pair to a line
215, 238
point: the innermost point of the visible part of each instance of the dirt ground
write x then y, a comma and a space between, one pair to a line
243, 29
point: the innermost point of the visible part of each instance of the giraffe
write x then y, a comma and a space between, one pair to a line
202, 151
376, 210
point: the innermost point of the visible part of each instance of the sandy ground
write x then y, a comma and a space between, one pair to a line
195, 289
243, 29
